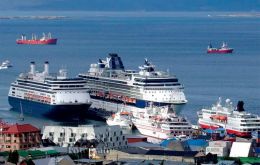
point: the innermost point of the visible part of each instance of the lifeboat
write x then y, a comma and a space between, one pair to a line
125, 113
223, 118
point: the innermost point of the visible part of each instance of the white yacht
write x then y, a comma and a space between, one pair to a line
5, 65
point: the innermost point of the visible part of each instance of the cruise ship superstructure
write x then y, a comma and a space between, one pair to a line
112, 87
51, 95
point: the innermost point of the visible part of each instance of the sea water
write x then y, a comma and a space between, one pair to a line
174, 42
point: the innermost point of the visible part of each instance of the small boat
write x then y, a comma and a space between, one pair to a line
122, 118
224, 49
5, 65
45, 40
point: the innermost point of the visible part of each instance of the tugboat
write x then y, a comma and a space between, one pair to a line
234, 121
223, 50
45, 40
5, 65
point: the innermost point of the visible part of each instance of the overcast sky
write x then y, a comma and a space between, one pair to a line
132, 5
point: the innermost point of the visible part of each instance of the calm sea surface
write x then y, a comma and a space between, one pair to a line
172, 41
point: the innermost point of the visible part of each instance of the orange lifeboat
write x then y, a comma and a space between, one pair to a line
223, 118
124, 113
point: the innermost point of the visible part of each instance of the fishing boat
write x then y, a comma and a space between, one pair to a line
224, 49
45, 40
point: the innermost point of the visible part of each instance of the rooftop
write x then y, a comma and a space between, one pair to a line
19, 128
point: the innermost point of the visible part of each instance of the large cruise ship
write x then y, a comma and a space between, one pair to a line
234, 121
52, 95
112, 87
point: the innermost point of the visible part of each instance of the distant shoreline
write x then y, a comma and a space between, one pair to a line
54, 15
34, 17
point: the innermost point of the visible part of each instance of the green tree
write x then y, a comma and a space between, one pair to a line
13, 157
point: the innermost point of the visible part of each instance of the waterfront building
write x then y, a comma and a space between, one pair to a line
18, 137
111, 137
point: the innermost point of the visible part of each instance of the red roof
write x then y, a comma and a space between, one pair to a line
21, 128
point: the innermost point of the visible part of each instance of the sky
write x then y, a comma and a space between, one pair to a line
130, 5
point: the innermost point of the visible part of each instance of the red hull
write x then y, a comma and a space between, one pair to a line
220, 51
229, 131
52, 41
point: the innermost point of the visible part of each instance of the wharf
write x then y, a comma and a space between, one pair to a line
138, 153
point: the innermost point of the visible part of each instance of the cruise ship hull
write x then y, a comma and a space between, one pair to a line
56, 112
229, 131
115, 106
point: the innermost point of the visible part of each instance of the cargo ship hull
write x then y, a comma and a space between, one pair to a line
52, 41
220, 51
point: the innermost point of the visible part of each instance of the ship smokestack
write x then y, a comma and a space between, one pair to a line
240, 106
33, 68
46, 67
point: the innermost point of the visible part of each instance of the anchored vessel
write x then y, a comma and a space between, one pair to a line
45, 40
157, 122
113, 88
224, 49
5, 65
235, 121
52, 95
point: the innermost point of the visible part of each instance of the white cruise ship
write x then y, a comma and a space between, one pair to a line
113, 88
235, 121
158, 123
51, 95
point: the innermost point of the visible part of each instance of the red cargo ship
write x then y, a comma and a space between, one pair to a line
224, 49
45, 40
